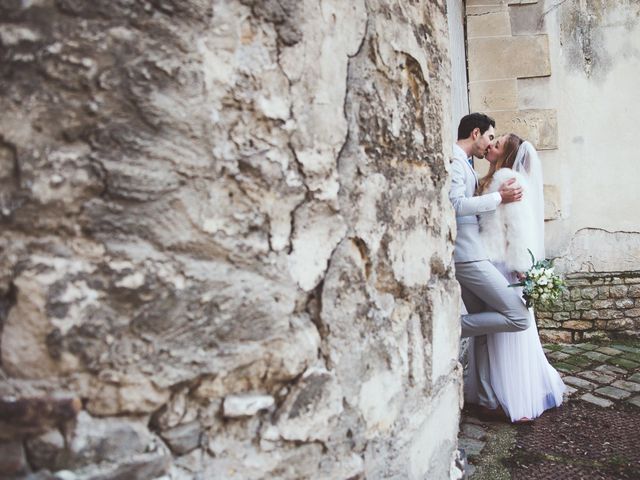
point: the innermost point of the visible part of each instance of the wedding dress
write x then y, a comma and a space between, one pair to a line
523, 380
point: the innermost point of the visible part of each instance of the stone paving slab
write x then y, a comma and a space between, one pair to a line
601, 402
628, 386
623, 363
598, 377
587, 346
553, 347
609, 351
558, 355
626, 348
611, 370
471, 446
635, 377
634, 357
597, 356
579, 360
579, 382
635, 401
613, 392
571, 349
566, 367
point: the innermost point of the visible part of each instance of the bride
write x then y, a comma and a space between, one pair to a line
524, 382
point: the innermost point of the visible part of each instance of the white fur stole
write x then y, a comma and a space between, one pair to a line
508, 232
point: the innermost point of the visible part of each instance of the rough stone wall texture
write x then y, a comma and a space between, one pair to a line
595, 306
225, 228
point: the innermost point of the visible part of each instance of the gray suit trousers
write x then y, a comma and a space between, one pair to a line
493, 307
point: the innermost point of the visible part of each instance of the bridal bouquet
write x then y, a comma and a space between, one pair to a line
541, 285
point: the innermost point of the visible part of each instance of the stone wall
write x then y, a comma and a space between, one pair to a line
594, 307
559, 73
226, 240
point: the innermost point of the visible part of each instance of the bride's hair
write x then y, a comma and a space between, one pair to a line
511, 145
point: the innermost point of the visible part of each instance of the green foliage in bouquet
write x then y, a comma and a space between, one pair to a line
541, 285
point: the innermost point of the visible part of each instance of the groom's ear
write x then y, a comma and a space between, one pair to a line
475, 133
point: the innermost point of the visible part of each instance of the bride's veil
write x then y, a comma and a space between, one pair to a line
528, 164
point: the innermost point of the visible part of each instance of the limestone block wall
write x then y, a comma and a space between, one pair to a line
500, 56
595, 307
226, 240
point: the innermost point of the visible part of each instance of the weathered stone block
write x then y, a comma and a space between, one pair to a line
552, 199
493, 95
246, 405
610, 314
576, 294
487, 57
618, 291
590, 315
634, 291
311, 407
487, 21
538, 126
555, 336
547, 323
92, 441
583, 305
589, 293
604, 304
601, 324
577, 325
595, 335
634, 312
625, 303
183, 438
559, 316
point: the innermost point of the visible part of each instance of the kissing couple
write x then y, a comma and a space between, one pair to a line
499, 218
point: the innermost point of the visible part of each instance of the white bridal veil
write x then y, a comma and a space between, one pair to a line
528, 164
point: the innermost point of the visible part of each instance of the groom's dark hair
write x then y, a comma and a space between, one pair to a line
474, 120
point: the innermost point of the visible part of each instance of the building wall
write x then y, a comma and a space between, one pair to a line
563, 75
227, 240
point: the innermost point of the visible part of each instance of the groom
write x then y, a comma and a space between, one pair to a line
492, 305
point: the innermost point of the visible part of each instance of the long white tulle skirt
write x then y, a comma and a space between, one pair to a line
523, 380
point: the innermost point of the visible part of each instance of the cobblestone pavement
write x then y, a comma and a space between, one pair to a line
594, 435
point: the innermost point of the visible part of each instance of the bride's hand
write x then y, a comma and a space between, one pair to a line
520, 276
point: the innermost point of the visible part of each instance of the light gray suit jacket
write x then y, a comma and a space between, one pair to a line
464, 180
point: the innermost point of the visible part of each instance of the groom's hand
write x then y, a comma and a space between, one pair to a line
510, 191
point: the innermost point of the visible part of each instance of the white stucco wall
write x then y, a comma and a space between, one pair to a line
595, 58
